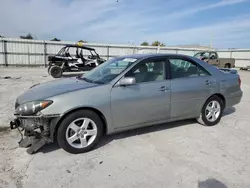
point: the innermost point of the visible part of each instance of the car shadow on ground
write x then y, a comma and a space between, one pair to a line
153, 128
211, 183
229, 111
3, 130
49, 148
144, 130
139, 131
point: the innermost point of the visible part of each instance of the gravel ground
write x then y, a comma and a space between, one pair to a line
182, 154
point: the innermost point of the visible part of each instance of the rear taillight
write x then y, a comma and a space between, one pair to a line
239, 80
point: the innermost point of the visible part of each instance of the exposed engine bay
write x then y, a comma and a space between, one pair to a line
34, 131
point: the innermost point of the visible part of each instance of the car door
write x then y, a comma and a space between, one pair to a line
146, 101
191, 85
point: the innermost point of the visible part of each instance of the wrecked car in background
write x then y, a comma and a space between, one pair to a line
212, 57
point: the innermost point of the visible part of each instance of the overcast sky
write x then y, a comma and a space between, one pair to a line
224, 23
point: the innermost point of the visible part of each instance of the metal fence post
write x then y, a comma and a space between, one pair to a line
107, 52
45, 54
2, 52
158, 49
5, 53
29, 54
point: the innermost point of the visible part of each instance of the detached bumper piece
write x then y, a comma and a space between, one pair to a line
36, 144
33, 143
35, 135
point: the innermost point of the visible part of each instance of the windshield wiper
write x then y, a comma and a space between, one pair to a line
98, 82
91, 81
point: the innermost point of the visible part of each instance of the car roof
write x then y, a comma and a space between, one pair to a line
205, 65
79, 46
143, 56
205, 51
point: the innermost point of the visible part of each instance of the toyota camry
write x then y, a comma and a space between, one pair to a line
123, 93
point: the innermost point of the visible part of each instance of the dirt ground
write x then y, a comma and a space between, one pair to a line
182, 154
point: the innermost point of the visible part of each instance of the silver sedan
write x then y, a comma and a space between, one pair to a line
124, 93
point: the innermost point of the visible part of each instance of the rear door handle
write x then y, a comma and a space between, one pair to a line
208, 82
163, 88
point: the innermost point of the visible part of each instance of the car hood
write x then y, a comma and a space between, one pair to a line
52, 88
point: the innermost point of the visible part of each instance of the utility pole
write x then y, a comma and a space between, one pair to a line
211, 41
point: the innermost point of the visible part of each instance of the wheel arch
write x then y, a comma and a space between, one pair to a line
55, 125
220, 96
201, 119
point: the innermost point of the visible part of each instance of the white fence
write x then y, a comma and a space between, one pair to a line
21, 52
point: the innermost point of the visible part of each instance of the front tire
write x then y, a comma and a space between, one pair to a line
80, 131
211, 112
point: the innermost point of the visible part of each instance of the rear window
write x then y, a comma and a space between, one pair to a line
181, 68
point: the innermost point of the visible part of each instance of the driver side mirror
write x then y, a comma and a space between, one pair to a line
126, 81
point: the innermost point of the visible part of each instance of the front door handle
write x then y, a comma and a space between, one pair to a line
163, 88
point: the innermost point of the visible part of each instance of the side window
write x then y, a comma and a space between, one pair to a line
183, 68
148, 71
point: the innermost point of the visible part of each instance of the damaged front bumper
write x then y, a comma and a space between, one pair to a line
36, 131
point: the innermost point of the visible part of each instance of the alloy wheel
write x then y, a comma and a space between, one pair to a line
81, 133
213, 111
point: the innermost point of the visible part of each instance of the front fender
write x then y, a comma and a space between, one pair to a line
55, 122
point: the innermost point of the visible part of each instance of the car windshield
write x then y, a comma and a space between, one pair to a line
61, 51
109, 70
201, 54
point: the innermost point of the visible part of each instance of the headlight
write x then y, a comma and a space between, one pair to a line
31, 108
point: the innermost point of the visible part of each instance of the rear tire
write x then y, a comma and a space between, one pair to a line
55, 71
212, 111
89, 130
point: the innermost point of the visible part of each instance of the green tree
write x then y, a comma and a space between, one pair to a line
82, 41
162, 44
28, 36
144, 44
55, 39
158, 43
